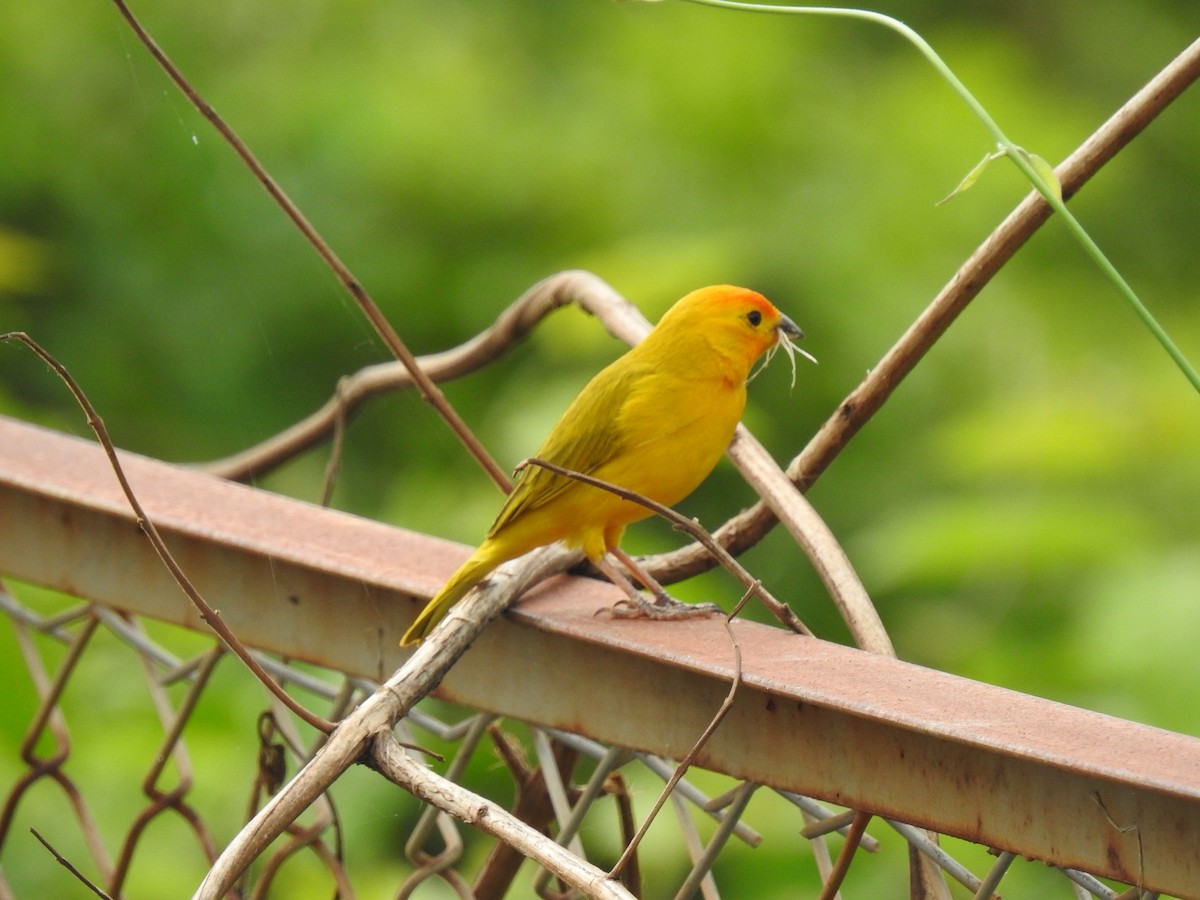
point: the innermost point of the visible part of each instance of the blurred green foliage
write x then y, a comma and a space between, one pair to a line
1023, 510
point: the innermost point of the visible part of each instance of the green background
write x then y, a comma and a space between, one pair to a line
1023, 510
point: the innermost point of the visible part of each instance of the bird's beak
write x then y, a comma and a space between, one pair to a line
789, 328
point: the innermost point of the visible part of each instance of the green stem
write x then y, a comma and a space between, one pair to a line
1011, 150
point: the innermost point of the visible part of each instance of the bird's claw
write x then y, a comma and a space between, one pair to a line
672, 610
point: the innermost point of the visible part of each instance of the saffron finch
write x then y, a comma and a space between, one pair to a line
655, 421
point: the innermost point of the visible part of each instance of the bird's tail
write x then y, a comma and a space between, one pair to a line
473, 571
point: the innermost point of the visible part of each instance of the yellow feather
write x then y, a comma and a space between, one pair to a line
655, 421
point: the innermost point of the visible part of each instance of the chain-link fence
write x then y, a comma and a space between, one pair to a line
570, 780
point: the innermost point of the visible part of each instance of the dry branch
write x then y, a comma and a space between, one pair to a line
429, 390
747, 528
588, 291
211, 616
493, 819
816, 538
691, 527
630, 851
354, 737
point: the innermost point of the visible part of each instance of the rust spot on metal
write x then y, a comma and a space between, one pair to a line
1113, 855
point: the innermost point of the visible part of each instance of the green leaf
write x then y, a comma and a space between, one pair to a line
971, 177
1045, 172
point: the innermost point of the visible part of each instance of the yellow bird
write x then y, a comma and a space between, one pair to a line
655, 422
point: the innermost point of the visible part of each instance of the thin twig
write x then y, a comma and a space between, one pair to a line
378, 713
69, 866
494, 820
857, 828
587, 291
615, 787
686, 763
691, 527
429, 390
1134, 829
817, 540
207, 613
334, 465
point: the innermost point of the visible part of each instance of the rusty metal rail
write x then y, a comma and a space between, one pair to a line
1014, 772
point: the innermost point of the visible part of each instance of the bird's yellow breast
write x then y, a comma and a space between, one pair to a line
676, 428
673, 432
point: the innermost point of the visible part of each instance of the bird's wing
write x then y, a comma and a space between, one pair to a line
586, 437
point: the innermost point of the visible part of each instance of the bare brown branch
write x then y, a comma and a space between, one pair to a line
681, 769
375, 716
857, 829
429, 390
694, 529
69, 866
746, 529
590, 292
816, 538
210, 615
487, 816
532, 806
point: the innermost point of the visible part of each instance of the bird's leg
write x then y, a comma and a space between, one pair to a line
661, 597
663, 606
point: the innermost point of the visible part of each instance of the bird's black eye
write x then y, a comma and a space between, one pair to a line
754, 317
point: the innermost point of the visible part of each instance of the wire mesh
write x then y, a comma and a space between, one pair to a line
164, 828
